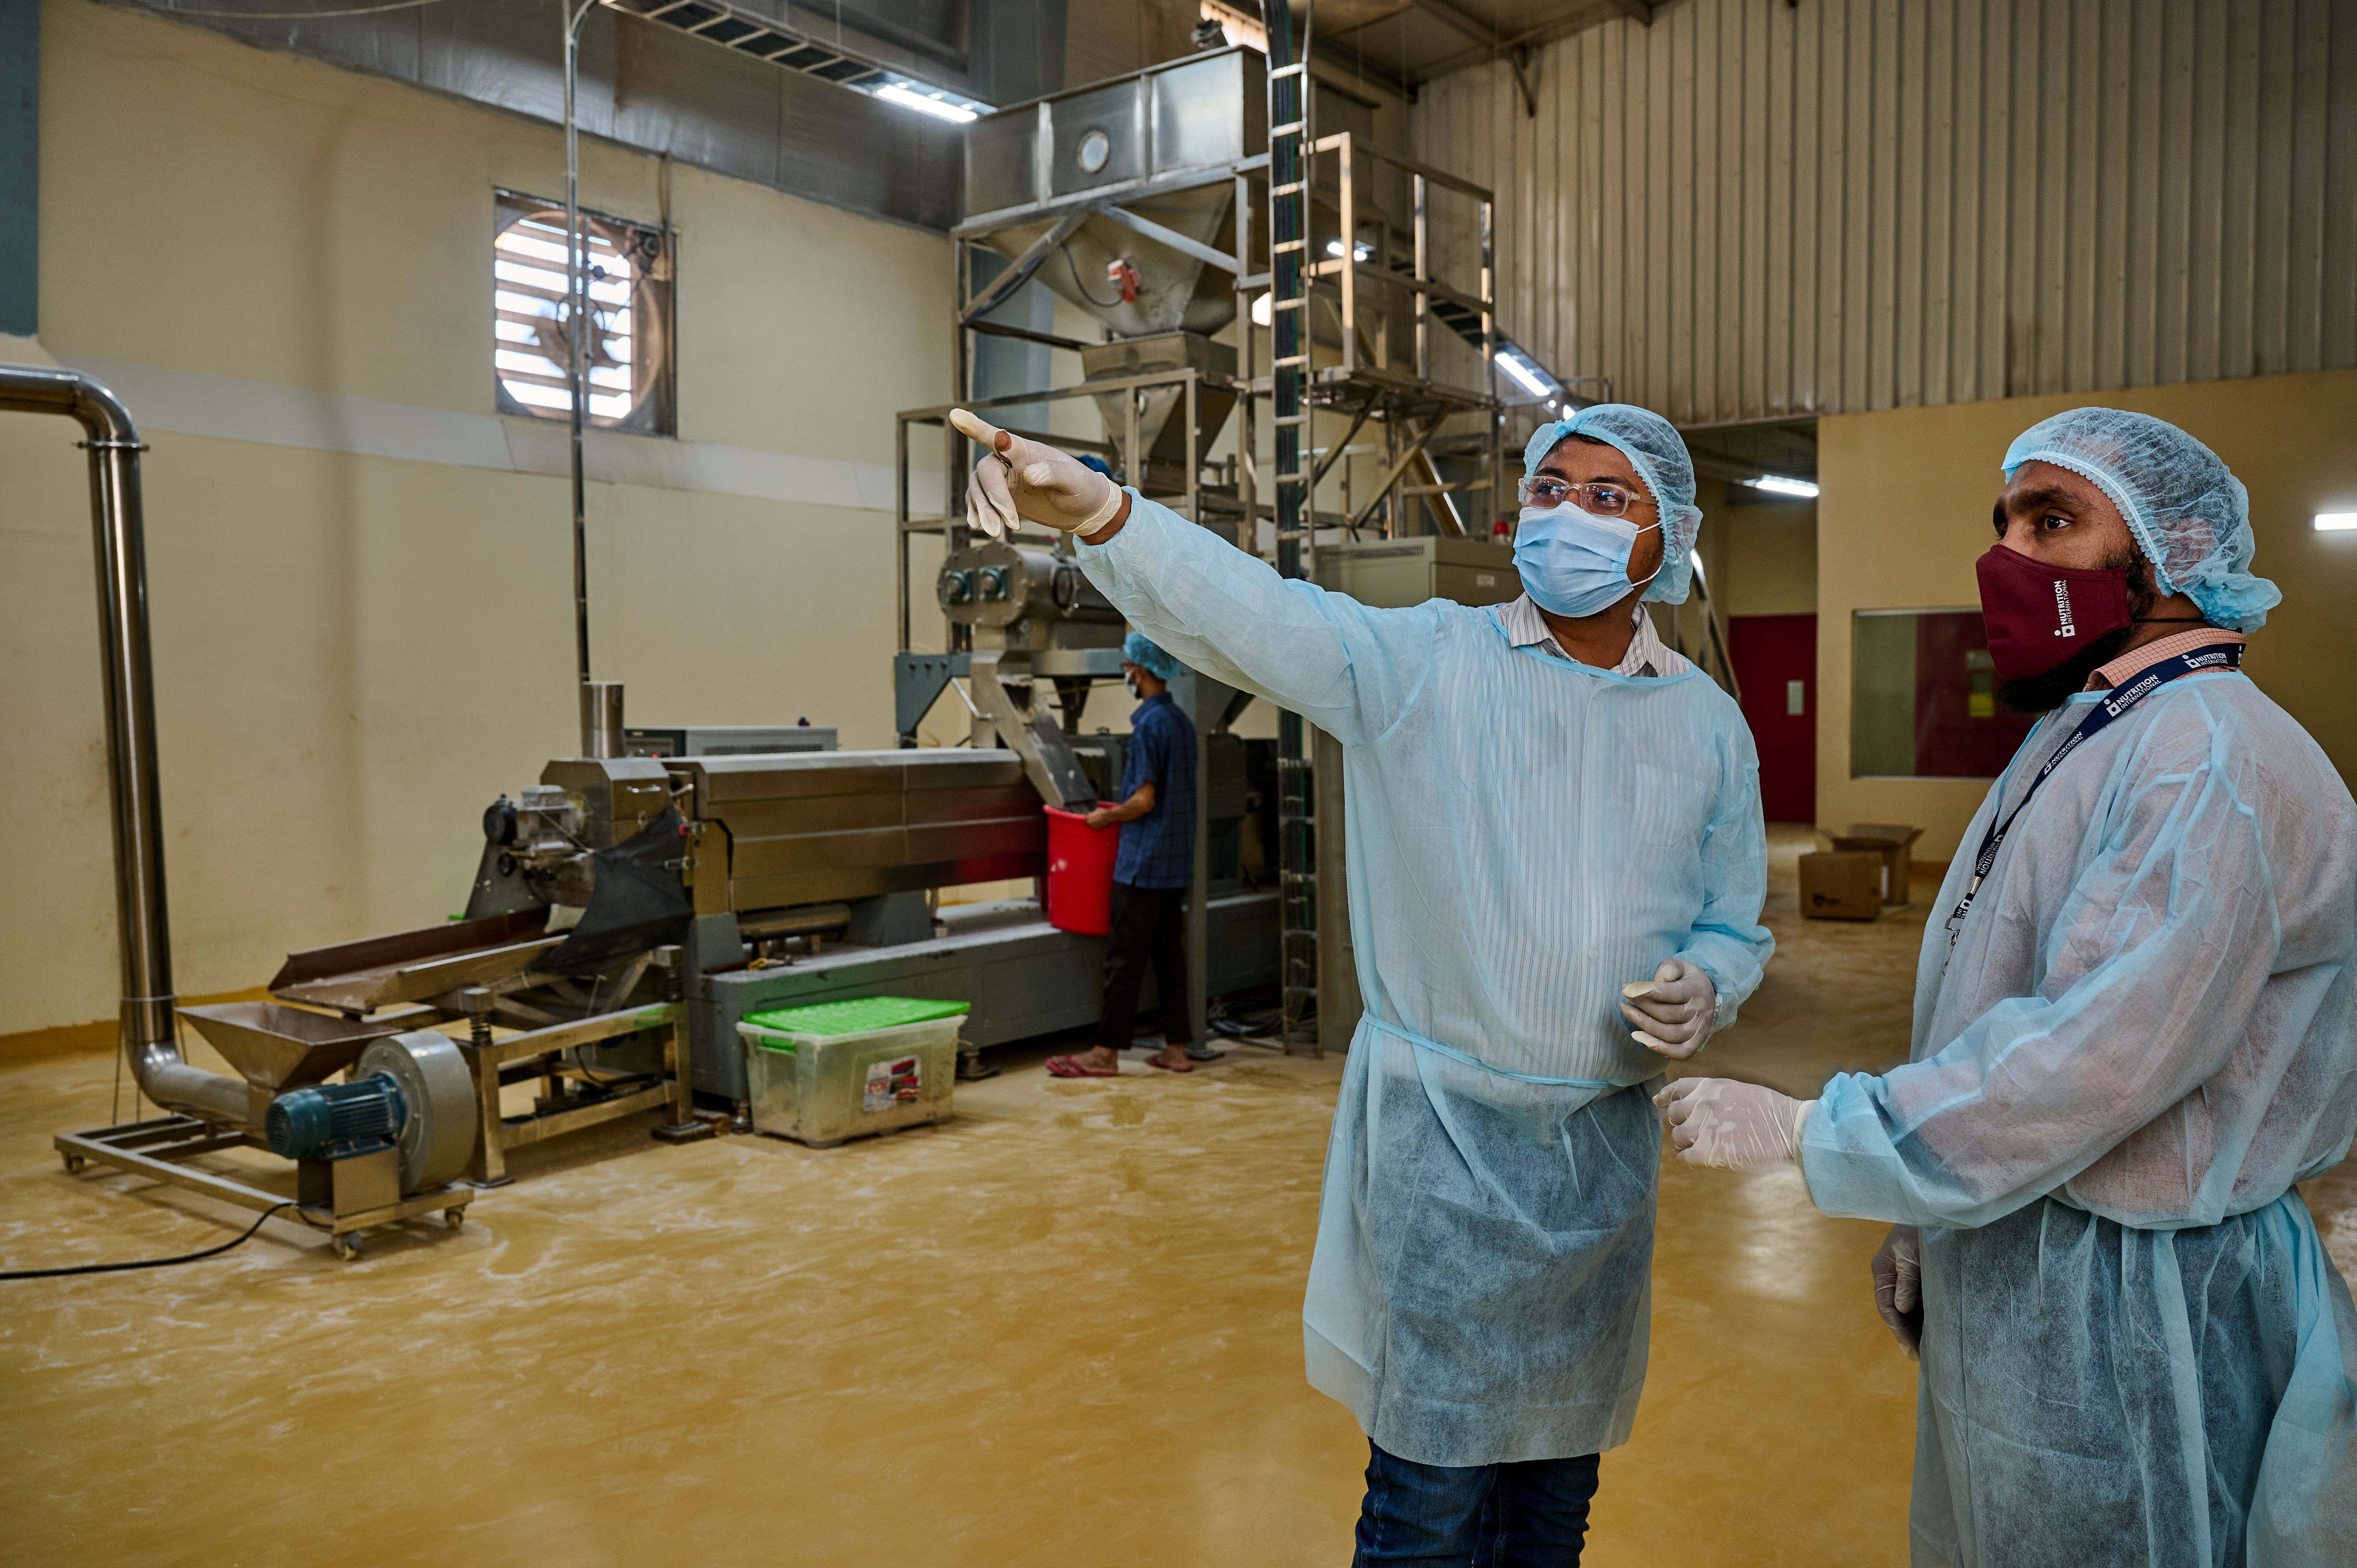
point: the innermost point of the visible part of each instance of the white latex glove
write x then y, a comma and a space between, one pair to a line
1898, 1286
1030, 479
1674, 1011
1731, 1126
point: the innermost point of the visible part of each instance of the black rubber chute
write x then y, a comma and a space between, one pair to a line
637, 901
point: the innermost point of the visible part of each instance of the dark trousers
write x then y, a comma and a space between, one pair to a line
1149, 927
1531, 1514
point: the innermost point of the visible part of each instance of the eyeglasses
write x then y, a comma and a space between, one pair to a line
1603, 497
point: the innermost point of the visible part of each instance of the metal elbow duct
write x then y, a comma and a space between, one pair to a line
150, 1037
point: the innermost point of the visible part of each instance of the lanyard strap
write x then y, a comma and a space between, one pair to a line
2225, 656
1453, 1054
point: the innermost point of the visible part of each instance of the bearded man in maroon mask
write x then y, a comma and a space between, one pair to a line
2136, 1027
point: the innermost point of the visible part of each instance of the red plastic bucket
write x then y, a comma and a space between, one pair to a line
1080, 873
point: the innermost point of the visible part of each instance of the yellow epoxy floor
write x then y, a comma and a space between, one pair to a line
1063, 1329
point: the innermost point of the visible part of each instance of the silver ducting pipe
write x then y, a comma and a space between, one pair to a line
150, 1037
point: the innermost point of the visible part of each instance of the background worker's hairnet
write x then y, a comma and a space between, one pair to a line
2190, 516
1148, 658
1655, 450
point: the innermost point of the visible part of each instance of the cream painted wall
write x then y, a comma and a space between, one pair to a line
354, 653
1905, 510
1772, 558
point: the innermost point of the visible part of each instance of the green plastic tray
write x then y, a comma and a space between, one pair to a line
858, 1015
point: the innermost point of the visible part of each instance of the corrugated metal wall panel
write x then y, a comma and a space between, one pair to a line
1755, 210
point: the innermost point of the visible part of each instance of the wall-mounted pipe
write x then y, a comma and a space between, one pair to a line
150, 1038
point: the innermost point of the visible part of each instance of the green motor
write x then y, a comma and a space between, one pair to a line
335, 1121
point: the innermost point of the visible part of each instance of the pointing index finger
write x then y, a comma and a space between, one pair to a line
981, 430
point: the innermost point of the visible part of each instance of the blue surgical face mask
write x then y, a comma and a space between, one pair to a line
1574, 562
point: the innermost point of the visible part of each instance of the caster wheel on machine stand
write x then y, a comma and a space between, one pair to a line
454, 1217
345, 1246
73, 1165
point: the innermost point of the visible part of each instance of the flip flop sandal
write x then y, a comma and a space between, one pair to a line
1065, 1067
1164, 1066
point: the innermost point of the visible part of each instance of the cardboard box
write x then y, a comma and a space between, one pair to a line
1890, 840
1844, 884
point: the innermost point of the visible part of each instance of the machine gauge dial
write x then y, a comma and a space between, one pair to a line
1094, 152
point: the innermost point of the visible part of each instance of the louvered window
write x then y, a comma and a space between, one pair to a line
626, 354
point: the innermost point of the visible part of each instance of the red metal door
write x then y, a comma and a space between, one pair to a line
1775, 659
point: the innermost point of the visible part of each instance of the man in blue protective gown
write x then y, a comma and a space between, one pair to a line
1553, 835
2136, 1027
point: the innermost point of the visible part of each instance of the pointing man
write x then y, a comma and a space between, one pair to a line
1545, 803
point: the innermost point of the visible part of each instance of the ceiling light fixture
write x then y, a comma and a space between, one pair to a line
1523, 373
935, 105
1782, 487
2334, 522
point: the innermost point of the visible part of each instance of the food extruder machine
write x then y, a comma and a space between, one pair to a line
628, 912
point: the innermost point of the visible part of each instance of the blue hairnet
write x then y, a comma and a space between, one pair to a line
2190, 516
1148, 658
1655, 450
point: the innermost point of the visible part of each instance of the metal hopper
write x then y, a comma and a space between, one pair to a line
1161, 457
276, 1047
1129, 171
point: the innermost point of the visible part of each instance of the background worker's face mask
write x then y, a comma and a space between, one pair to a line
2037, 616
1574, 562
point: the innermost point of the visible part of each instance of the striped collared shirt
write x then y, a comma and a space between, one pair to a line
1647, 655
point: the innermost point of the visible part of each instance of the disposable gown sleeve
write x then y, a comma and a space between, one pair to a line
1728, 942
1350, 670
2161, 946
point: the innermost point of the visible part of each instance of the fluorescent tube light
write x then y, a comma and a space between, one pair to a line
1514, 368
2334, 522
1782, 487
939, 108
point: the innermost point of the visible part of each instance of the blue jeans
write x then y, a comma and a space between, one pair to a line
1529, 1514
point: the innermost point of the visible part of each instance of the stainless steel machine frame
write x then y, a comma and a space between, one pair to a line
1199, 125
1413, 406
156, 1148
495, 1063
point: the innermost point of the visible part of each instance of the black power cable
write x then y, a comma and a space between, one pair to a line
1093, 299
146, 1262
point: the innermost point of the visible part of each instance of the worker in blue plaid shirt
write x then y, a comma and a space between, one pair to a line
1150, 873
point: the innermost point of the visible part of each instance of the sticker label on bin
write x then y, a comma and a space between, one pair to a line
891, 1083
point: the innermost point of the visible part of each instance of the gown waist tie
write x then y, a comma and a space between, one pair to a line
1452, 1053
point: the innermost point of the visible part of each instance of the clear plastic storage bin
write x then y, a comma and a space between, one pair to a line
832, 1070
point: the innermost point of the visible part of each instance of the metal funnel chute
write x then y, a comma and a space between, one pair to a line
1171, 290
1112, 196
1161, 453
279, 1048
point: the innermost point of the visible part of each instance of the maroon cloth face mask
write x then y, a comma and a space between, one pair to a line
2039, 616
